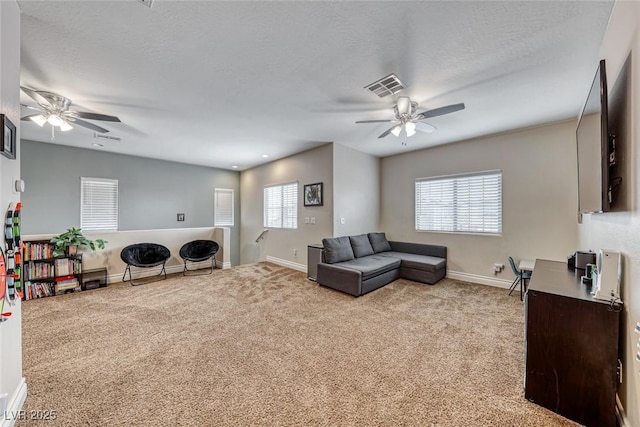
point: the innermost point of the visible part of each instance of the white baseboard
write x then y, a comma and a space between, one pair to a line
285, 263
139, 273
476, 278
14, 409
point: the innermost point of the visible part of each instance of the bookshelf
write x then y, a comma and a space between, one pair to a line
46, 275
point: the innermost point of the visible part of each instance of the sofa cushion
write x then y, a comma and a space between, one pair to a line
361, 246
372, 265
337, 249
418, 262
379, 242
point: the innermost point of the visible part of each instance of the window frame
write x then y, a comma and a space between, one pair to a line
217, 191
114, 209
456, 206
282, 216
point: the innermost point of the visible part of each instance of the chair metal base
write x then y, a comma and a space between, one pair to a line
186, 270
523, 286
128, 268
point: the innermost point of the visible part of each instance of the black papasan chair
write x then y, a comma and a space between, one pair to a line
144, 255
198, 251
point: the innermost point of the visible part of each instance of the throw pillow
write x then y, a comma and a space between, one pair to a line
379, 242
361, 246
337, 249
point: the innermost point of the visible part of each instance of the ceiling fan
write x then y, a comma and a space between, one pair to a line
408, 120
54, 109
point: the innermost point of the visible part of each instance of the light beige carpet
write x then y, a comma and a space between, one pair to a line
261, 345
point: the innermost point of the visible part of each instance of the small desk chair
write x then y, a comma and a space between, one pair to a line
521, 276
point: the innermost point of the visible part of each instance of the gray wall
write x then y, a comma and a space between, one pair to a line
356, 191
539, 197
307, 167
151, 192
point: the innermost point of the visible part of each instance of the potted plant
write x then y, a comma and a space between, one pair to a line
69, 241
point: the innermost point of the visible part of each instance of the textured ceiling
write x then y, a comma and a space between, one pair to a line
220, 83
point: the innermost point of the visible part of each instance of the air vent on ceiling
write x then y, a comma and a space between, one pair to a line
388, 85
147, 3
107, 137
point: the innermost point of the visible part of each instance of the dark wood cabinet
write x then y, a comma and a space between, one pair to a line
571, 347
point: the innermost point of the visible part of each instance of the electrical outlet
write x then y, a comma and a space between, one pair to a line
342, 220
306, 220
295, 252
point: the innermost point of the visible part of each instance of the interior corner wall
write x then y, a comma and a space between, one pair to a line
151, 192
308, 167
539, 197
356, 192
620, 229
11, 380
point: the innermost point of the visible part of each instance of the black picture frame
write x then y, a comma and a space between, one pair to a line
313, 194
8, 138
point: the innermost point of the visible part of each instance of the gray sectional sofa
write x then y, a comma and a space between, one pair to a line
360, 264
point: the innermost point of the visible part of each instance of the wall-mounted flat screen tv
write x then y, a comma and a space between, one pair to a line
592, 136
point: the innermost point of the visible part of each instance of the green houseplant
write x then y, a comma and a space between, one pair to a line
70, 240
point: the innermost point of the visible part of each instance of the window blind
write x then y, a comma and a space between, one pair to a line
98, 204
223, 207
281, 206
470, 203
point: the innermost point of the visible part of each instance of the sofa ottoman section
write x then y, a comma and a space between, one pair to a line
420, 268
372, 265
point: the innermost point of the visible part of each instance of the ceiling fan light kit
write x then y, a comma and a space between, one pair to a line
54, 109
408, 120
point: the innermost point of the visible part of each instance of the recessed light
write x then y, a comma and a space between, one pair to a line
95, 144
264, 156
234, 167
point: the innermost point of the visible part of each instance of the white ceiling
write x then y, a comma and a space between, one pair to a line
220, 83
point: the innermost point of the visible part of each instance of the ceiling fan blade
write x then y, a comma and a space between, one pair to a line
28, 117
375, 121
30, 107
441, 111
387, 132
425, 127
36, 96
94, 116
87, 125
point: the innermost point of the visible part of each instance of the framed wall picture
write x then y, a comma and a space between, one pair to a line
8, 142
313, 194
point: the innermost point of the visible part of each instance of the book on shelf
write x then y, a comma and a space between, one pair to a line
67, 266
61, 287
34, 290
38, 250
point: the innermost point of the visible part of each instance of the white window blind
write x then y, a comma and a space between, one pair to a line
98, 204
281, 206
223, 207
470, 203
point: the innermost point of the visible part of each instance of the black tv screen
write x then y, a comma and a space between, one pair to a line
592, 137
